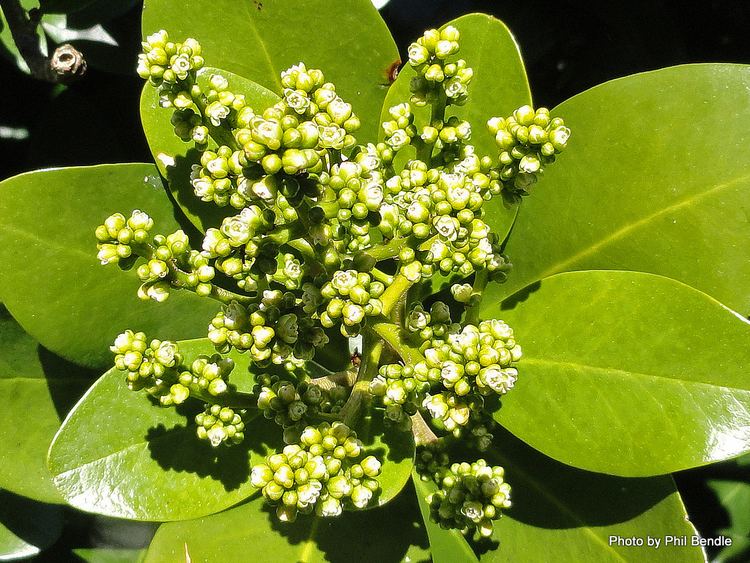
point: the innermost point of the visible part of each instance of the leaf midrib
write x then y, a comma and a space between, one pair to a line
626, 229
254, 27
63, 248
621, 373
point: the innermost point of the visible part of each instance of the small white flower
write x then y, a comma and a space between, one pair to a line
181, 66
166, 353
447, 227
216, 112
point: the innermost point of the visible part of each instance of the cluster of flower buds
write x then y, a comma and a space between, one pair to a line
276, 330
117, 235
170, 262
350, 297
470, 497
220, 425
290, 404
436, 76
158, 367
324, 473
528, 140
164, 61
400, 391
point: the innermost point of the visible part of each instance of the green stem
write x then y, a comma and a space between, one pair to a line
389, 250
424, 150
393, 336
381, 276
438, 106
232, 400
360, 395
480, 282
392, 296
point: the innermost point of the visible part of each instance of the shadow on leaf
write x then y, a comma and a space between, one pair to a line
550, 494
179, 449
382, 534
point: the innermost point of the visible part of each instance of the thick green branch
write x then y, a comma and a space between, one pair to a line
472, 311
392, 334
368, 369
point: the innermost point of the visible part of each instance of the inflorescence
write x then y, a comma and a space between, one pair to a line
325, 235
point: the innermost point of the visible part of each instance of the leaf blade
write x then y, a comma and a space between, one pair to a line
622, 369
77, 294
666, 211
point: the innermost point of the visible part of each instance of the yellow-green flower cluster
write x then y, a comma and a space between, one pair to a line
325, 472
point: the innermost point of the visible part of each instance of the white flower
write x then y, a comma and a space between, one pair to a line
218, 82
447, 227
181, 66
330, 507
398, 139
339, 110
108, 254
436, 406
216, 112
297, 100
166, 353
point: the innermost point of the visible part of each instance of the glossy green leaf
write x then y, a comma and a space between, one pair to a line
110, 555
571, 515
394, 449
499, 86
174, 158
53, 283
38, 388
626, 362
121, 455
26, 527
391, 533
735, 498
446, 546
652, 180
258, 39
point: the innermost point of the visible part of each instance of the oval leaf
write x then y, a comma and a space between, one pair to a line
32, 380
175, 158
626, 362
348, 41
499, 86
53, 283
391, 533
26, 527
644, 186
121, 455
574, 514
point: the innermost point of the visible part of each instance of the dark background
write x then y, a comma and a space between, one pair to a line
567, 47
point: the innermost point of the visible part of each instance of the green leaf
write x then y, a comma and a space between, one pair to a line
348, 41
121, 455
644, 186
110, 555
26, 527
574, 514
446, 546
735, 498
174, 158
394, 449
53, 283
37, 389
499, 86
626, 362
390, 533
